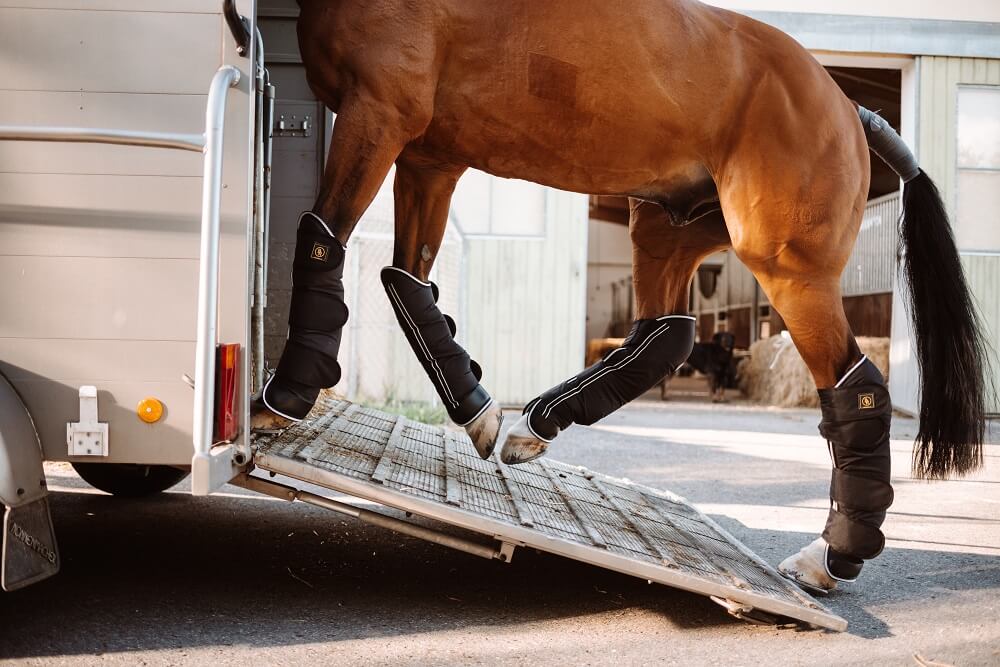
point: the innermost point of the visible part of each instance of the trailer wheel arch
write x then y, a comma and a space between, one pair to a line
28, 549
129, 480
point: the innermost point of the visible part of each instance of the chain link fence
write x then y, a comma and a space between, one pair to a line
378, 365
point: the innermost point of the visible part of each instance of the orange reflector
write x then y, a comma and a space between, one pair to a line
149, 410
227, 373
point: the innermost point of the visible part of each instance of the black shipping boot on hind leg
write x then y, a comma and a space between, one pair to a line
316, 319
856, 416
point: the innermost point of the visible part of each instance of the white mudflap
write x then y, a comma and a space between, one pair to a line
29, 545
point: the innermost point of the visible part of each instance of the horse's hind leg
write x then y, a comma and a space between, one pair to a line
367, 137
798, 252
664, 260
423, 194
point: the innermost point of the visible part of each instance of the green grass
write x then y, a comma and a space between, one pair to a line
417, 411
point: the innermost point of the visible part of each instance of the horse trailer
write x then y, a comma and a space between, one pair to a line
132, 278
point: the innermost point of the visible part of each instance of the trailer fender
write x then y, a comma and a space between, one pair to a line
29, 553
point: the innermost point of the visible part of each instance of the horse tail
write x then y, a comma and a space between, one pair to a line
951, 350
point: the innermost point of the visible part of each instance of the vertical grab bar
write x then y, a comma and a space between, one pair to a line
208, 281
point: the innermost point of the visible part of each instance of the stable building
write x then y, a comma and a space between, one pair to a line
933, 71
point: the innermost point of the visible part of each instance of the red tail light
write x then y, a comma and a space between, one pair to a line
227, 373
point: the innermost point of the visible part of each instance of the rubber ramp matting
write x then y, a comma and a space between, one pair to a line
547, 505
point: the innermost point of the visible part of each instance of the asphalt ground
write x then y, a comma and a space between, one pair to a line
240, 579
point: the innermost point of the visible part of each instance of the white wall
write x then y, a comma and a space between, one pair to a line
525, 302
935, 138
957, 10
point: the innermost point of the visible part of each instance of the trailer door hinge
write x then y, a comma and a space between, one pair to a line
87, 437
293, 126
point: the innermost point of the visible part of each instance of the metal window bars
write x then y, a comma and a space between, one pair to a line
209, 469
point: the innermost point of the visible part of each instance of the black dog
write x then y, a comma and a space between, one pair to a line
715, 361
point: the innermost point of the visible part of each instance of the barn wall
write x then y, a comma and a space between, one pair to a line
939, 79
738, 323
872, 265
525, 300
609, 262
869, 315
734, 292
983, 274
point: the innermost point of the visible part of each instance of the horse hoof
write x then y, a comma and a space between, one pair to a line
521, 446
807, 568
485, 429
262, 420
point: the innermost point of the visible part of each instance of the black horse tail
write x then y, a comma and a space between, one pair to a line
951, 350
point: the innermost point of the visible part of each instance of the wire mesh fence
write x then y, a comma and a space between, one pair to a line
378, 365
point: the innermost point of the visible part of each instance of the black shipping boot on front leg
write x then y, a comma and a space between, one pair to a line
455, 376
856, 416
316, 319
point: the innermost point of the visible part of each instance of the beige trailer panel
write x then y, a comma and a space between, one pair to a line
117, 51
77, 232
102, 215
124, 111
118, 360
167, 442
143, 203
99, 245
159, 6
116, 298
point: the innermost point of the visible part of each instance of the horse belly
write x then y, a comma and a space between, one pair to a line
565, 156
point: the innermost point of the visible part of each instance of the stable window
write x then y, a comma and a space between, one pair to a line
485, 205
978, 163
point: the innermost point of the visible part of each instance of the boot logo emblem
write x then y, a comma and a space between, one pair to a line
866, 401
320, 252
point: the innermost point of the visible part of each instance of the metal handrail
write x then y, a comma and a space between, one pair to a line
90, 135
210, 145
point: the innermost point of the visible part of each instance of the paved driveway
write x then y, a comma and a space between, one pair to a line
241, 579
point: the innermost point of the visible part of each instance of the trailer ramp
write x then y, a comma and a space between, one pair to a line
566, 510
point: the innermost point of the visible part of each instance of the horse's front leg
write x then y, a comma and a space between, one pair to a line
664, 260
367, 137
423, 195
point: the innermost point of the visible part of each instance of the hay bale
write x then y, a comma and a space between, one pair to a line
788, 383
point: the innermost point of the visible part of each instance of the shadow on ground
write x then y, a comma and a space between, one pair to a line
177, 571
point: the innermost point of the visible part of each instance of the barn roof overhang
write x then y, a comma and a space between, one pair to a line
874, 34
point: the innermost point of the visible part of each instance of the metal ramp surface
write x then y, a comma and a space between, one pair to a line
547, 505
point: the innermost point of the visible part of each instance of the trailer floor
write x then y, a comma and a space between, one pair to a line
242, 579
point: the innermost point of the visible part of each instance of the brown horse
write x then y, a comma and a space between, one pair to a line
725, 133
